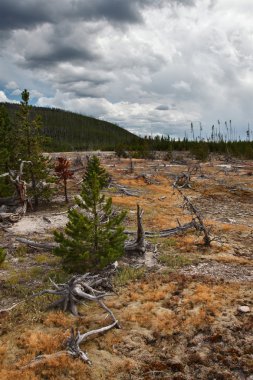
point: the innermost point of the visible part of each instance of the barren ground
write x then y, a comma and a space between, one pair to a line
179, 306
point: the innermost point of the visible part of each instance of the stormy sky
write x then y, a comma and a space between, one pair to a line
151, 66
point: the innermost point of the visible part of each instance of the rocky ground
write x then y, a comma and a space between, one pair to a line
186, 310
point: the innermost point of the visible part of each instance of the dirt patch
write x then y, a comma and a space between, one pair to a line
219, 271
38, 223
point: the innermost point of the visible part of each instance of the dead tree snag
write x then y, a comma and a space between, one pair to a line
138, 245
13, 208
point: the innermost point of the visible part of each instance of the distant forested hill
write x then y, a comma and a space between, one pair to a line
70, 131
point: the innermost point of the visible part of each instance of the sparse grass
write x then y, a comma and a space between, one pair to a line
173, 260
168, 243
44, 258
21, 251
128, 274
2, 256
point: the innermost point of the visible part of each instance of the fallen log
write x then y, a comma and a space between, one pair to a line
173, 231
37, 244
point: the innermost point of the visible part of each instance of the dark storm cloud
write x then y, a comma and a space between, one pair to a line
23, 14
27, 14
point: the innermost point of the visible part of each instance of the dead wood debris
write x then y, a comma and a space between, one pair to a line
148, 179
124, 190
182, 181
200, 223
78, 290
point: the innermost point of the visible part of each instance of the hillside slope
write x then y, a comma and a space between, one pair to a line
70, 131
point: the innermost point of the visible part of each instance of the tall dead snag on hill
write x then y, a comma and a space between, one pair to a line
13, 208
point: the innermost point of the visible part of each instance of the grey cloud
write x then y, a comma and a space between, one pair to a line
56, 54
26, 14
23, 14
164, 107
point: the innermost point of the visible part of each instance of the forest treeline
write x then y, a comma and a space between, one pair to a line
198, 149
68, 131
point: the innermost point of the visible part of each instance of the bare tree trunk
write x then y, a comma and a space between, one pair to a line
16, 206
138, 245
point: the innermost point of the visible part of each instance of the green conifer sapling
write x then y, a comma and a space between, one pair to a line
94, 236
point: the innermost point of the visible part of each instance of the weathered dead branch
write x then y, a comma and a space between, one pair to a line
182, 181
8, 309
148, 179
124, 190
37, 244
78, 290
200, 225
174, 231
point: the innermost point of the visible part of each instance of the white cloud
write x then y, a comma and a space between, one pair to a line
182, 85
4, 98
16, 92
12, 85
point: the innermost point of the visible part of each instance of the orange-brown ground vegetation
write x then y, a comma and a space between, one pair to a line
179, 306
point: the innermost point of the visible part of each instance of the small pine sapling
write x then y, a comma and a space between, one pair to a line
94, 236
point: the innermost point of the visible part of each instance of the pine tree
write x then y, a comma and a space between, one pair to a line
8, 150
7, 140
29, 147
94, 236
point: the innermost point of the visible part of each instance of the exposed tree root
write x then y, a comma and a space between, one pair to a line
77, 290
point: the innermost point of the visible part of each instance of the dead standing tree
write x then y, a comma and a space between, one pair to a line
13, 208
64, 173
138, 245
